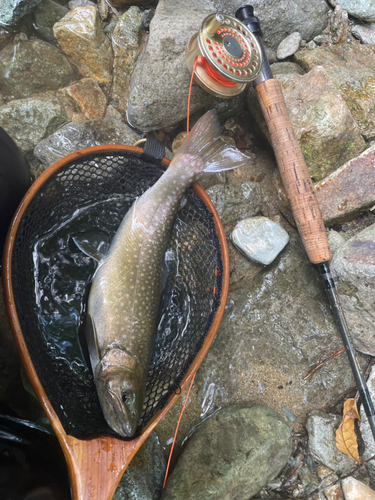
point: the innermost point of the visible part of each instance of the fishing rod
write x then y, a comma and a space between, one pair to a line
226, 54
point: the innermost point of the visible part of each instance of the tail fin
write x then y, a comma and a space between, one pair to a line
204, 141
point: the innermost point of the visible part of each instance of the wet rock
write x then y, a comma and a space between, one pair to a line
79, 135
144, 477
335, 491
32, 67
273, 330
13, 10
80, 35
365, 33
351, 67
355, 490
28, 121
321, 428
126, 42
289, 45
322, 121
366, 432
233, 454
235, 202
361, 9
336, 240
353, 266
84, 100
259, 238
46, 15
349, 190
338, 24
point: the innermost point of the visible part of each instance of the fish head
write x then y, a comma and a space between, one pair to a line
121, 399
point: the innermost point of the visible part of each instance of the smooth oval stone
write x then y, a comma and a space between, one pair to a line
259, 238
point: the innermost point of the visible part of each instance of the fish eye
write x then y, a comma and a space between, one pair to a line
128, 397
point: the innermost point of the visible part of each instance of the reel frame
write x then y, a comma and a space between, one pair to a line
230, 49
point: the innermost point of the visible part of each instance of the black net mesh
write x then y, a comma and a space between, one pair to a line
196, 286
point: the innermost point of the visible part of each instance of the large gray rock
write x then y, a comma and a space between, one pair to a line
11, 11
46, 15
321, 428
353, 266
32, 67
160, 82
361, 9
321, 119
231, 455
28, 121
79, 135
280, 18
351, 67
143, 479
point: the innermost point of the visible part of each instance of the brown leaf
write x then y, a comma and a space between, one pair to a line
346, 439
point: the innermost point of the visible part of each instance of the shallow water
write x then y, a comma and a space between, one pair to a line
63, 274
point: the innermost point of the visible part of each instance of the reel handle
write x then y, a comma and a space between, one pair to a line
294, 172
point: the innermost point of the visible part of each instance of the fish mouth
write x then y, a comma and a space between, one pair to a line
125, 421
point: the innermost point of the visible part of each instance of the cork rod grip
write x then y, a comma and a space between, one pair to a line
294, 172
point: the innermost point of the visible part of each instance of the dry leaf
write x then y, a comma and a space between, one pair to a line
346, 439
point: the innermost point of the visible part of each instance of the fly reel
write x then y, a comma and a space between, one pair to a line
224, 55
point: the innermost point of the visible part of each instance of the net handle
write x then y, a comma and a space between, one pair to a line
100, 461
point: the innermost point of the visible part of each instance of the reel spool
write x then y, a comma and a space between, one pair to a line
229, 56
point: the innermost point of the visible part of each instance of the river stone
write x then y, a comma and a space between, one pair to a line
366, 432
365, 33
321, 428
353, 267
33, 67
259, 238
361, 9
231, 455
235, 202
46, 15
286, 69
351, 67
84, 100
273, 330
80, 35
143, 479
11, 11
355, 490
338, 24
321, 119
289, 45
126, 42
79, 135
348, 191
28, 121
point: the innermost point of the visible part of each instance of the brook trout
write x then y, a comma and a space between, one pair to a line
126, 290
